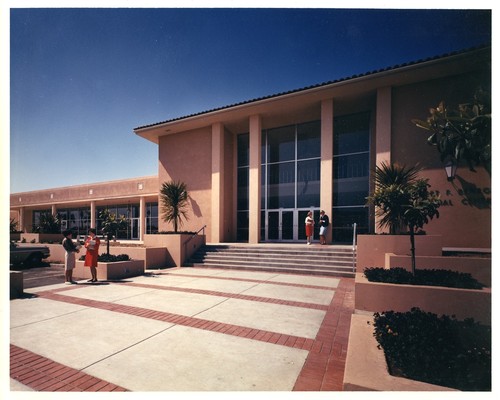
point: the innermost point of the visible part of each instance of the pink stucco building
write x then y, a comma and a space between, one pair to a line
254, 169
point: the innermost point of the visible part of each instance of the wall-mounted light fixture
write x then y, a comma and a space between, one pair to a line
451, 169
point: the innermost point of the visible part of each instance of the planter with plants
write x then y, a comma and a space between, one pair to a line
179, 245
110, 267
404, 204
417, 351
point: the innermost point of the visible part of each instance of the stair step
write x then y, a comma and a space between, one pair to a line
314, 260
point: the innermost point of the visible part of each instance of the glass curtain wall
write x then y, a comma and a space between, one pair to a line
291, 158
350, 175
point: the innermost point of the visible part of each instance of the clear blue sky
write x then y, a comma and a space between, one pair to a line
82, 79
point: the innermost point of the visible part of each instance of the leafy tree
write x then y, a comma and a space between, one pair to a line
403, 201
463, 133
111, 224
48, 223
174, 203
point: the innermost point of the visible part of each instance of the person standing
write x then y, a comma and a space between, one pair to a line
309, 227
92, 245
69, 256
324, 221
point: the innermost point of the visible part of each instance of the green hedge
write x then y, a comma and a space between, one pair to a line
439, 350
428, 277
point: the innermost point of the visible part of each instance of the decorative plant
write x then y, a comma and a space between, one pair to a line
174, 203
111, 224
403, 201
463, 133
48, 223
13, 226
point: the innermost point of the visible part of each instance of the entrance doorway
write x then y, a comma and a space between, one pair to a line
288, 225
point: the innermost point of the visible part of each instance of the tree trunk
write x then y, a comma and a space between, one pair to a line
412, 241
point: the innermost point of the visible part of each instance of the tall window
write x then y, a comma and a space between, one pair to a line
291, 161
243, 184
350, 175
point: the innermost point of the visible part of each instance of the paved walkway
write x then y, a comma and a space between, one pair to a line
186, 329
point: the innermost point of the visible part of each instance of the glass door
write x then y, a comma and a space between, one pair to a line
280, 225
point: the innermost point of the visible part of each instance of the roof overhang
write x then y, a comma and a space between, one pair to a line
312, 96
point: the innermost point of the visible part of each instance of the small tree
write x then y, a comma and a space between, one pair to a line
48, 223
13, 226
174, 203
403, 201
111, 224
462, 133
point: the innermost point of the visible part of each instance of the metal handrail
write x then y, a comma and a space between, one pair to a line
354, 247
195, 234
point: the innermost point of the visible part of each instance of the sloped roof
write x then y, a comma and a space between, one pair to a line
393, 67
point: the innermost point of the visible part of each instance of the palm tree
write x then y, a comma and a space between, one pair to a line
390, 197
403, 201
174, 203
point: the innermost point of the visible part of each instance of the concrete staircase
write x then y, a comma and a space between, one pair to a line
329, 260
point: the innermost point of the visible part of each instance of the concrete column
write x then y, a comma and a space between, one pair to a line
21, 226
383, 133
54, 209
217, 229
326, 184
142, 217
92, 215
254, 178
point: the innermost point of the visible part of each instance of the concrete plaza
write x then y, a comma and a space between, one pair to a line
183, 329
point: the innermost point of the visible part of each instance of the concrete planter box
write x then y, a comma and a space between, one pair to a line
180, 247
15, 237
42, 237
366, 368
111, 270
371, 249
16, 284
463, 303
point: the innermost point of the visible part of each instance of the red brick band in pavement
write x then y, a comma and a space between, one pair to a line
232, 296
42, 374
324, 370
325, 364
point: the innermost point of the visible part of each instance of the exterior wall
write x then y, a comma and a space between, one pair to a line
187, 157
465, 216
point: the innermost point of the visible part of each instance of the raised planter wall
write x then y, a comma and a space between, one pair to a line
371, 249
151, 257
479, 268
16, 284
366, 368
180, 247
463, 303
110, 271
42, 237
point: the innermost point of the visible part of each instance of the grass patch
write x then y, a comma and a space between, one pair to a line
427, 277
438, 350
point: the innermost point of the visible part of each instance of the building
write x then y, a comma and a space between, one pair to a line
254, 169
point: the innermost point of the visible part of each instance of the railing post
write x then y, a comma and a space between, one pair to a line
354, 247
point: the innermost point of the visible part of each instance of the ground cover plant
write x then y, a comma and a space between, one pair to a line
427, 277
438, 350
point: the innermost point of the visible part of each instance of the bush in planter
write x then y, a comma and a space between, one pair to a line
427, 277
438, 350
110, 258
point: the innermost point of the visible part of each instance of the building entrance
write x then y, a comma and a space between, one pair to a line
288, 225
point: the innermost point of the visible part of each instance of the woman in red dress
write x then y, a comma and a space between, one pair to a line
309, 227
92, 245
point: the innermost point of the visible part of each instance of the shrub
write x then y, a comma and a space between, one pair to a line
437, 350
428, 277
110, 257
